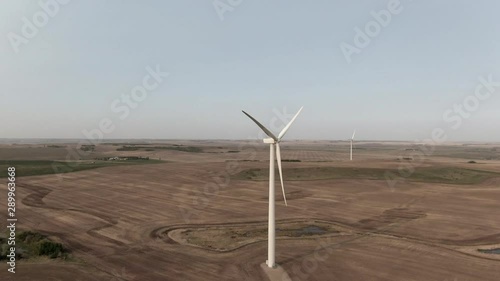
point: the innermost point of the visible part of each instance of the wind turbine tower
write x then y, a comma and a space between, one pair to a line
352, 140
274, 149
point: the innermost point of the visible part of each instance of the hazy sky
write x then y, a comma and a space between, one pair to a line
260, 56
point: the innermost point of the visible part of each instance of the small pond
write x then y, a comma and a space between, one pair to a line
490, 251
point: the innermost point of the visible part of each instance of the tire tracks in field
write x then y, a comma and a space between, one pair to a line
358, 231
35, 200
384, 231
162, 233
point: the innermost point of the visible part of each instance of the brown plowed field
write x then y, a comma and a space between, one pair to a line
113, 219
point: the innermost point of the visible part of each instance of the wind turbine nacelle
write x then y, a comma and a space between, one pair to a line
269, 140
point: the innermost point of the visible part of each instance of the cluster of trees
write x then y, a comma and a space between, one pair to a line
87, 148
30, 244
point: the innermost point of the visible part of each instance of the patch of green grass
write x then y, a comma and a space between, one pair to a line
175, 147
452, 175
128, 148
467, 152
43, 167
448, 175
226, 238
56, 146
122, 143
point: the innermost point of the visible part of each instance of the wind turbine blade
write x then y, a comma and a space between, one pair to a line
278, 158
271, 135
283, 132
353, 134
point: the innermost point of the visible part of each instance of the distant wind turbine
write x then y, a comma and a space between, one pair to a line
352, 140
274, 143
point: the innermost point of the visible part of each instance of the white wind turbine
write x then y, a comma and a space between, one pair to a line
274, 143
352, 140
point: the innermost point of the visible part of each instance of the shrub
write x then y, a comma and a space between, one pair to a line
87, 148
49, 248
4, 250
29, 237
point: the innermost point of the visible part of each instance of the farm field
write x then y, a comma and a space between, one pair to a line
197, 210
